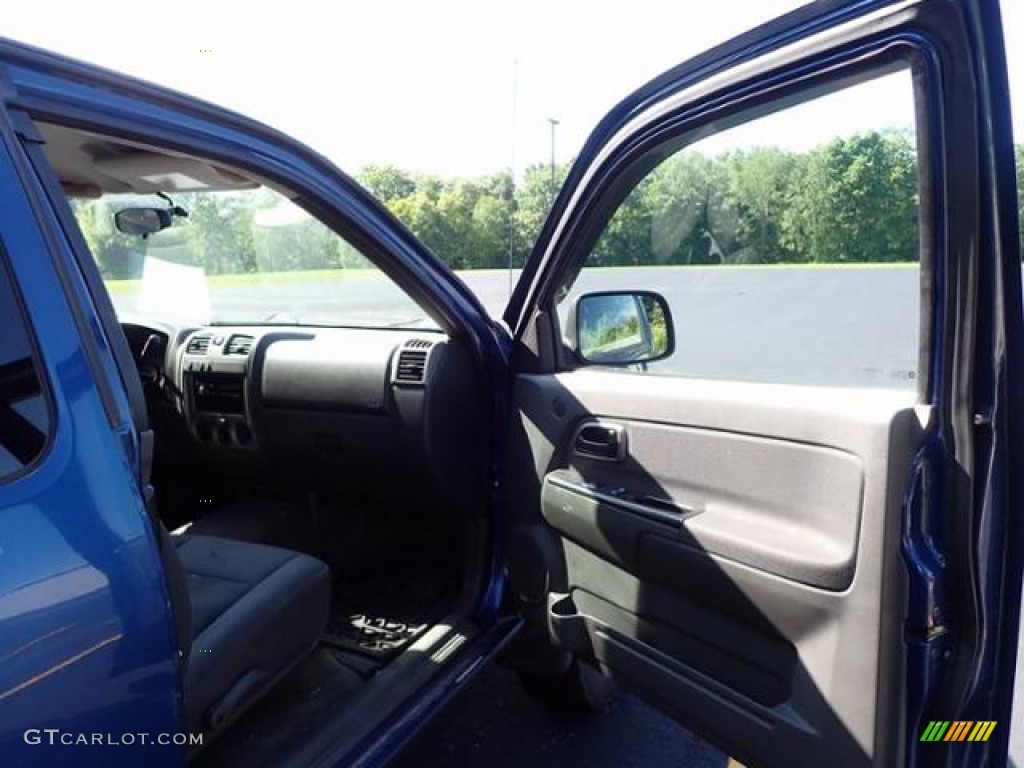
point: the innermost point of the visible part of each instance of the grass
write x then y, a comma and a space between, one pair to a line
121, 287
788, 265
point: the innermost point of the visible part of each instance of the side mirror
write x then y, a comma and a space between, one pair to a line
142, 221
621, 328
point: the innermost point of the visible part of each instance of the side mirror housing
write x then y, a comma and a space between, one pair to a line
621, 328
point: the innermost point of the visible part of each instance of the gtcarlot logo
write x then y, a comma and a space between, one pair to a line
55, 736
959, 730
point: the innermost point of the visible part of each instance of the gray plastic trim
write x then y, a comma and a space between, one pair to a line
611, 498
792, 568
319, 372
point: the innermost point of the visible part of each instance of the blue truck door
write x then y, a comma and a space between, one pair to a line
89, 670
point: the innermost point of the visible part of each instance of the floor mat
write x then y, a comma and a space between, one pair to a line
376, 636
379, 618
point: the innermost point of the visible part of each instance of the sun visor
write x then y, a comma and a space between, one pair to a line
150, 172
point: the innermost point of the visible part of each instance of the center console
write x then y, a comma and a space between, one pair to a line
215, 390
352, 404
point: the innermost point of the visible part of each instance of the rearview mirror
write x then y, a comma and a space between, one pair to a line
142, 221
622, 328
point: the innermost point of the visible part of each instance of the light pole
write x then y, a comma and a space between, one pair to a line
553, 122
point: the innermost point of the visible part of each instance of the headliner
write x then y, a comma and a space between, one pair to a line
90, 164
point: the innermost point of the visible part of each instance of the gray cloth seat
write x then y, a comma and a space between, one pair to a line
244, 613
252, 612
262, 521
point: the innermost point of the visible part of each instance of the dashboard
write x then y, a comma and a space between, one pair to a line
279, 399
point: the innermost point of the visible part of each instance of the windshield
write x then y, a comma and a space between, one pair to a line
241, 258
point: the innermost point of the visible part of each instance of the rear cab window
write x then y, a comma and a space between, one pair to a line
24, 411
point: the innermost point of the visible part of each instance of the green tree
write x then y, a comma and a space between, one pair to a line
695, 220
466, 222
855, 200
534, 196
386, 182
627, 236
493, 219
117, 256
680, 213
759, 180
419, 212
219, 230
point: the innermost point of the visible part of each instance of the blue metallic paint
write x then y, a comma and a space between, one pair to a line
86, 637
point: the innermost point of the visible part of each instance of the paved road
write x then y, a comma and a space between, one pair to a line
812, 325
493, 723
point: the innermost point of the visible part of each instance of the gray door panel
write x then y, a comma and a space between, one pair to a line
796, 507
739, 563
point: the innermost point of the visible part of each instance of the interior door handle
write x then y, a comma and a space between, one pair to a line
600, 440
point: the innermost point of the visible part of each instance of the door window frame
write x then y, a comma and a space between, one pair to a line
652, 144
36, 358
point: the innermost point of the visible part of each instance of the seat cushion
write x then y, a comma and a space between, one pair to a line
255, 611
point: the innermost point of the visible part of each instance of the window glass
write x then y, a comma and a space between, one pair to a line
246, 256
1013, 33
24, 416
787, 247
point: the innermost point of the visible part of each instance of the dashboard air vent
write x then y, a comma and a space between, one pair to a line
239, 345
198, 345
412, 366
418, 344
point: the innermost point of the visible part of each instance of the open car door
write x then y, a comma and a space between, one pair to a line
776, 502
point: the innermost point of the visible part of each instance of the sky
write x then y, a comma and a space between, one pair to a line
453, 87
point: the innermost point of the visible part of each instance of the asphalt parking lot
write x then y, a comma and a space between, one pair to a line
494, 723
824, 326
